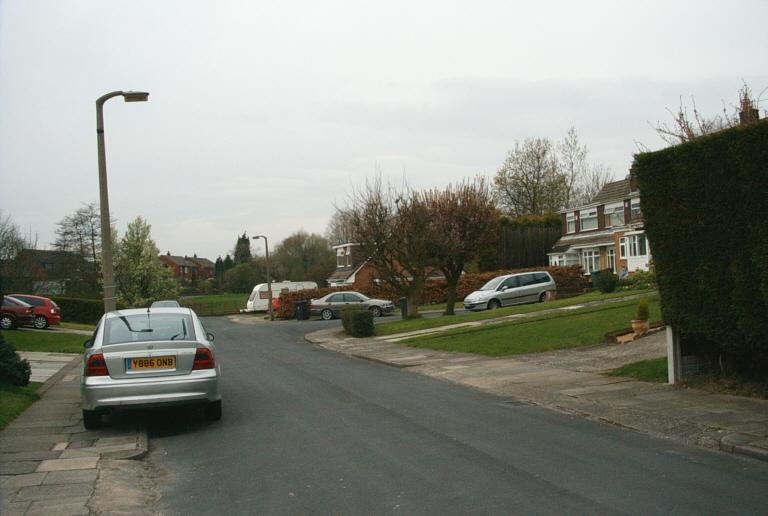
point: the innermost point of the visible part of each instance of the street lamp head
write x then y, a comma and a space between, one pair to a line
258, 236
135, 96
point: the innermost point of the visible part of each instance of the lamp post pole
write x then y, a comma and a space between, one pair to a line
106, 230
269, 279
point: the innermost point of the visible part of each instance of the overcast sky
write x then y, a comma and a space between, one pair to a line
263, 115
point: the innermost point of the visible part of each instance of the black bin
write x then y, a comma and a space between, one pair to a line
302, 310
404, 307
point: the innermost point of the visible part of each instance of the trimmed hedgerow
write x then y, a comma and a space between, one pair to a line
569, 281
346, 316
85, 311
705, 205
605, 280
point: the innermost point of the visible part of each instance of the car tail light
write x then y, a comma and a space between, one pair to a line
96, 366
203, 359
53, 310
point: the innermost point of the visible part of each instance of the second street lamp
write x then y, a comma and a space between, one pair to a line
106, 230
269, 280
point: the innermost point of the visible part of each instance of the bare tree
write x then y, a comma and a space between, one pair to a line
685, 127
80, 233
16, 269
391, 225
583, 179
339, 230
529, 182
464, 220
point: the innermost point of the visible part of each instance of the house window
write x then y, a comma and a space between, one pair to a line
634, 211
614, 216
570, 221
612, 258
590, 260
623, 247
636, 245
588, 220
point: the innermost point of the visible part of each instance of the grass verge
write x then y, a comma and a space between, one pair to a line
14, 400
45, 341
217, 304
77, 326
580, 327
654, 370
435, 322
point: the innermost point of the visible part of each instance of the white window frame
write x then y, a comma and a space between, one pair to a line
634, 209
590, 260
570, 223
623, 247
610, 213
612, 258
588, 216
634, 243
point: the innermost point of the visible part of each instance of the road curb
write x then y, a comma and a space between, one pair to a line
54, 379
142, 448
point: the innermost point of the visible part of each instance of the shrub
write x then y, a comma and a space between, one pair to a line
346, 316
605, 281
641, 313
360, 323
641, 280
13, 369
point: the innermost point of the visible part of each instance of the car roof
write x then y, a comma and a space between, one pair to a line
28, 295
14, 298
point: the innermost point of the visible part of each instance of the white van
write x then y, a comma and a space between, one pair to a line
259, 298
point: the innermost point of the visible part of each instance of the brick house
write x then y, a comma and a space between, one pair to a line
607, 233
188, 268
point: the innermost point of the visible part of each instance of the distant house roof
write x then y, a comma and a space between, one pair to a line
341, 274
181, 260
48, 256
615, 191
203, 262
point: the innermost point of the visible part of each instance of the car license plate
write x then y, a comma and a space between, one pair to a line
141, 364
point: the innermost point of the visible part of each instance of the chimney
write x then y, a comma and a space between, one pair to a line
633, 179
748, 113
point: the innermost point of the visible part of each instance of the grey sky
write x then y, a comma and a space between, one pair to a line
262, 115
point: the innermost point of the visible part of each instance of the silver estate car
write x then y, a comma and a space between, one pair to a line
512, 289
149, 357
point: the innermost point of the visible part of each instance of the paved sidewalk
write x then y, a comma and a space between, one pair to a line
49, 463
571, 381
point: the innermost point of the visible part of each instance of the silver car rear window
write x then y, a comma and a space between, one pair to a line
148, 327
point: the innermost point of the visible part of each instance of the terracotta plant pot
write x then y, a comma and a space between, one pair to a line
640, 327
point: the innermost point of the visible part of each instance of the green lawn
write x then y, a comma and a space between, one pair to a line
654, 370
13, 401
217, 304
53, 342
580, 327
424, 323
78, 326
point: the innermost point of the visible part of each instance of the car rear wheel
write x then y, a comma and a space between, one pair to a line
376, 311
542, 297
7, 322
213, 411
41, 322
493, 304
326, 314
91, 419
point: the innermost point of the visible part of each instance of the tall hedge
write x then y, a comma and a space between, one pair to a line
705, 205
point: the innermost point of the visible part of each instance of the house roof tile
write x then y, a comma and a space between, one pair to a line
615, 191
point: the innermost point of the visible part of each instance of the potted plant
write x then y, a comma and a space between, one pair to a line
640, 322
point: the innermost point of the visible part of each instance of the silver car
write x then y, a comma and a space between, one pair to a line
149, 357
512, 289
330, 306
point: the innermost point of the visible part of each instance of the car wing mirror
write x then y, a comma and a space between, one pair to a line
88, 343
503, 288
210, 337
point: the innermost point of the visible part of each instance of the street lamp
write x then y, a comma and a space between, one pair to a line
106, 230
269, 280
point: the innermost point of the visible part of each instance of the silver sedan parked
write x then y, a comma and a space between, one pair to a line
330, 306
146, 358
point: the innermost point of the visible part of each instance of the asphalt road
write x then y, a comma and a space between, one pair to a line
307, 431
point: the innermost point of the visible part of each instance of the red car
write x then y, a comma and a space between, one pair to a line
15, 313
47, 313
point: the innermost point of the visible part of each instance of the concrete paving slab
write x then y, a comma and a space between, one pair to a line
24, 456
18, 481
69, 506
8, 508
71, 477
68, 464
52, 492
19, 467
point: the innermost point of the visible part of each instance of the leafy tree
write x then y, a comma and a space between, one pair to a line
244, 276
303, 256
392, 225
529, 181
242, 250
228, 263
139, 274
463, 220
